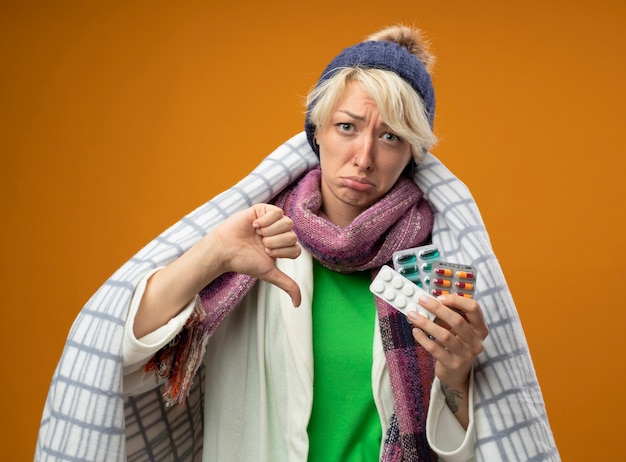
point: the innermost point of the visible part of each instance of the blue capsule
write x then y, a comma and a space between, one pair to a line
429, 254
406, 259
409, 270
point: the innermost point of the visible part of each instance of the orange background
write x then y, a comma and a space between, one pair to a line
119, 117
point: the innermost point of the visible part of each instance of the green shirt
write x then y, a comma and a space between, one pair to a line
344, 424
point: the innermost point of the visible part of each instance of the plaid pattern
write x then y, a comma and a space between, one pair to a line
511, 420
86, 417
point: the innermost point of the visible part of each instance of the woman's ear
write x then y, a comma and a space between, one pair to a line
315, 133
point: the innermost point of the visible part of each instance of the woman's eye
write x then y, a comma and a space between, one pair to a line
391, 137
344, 126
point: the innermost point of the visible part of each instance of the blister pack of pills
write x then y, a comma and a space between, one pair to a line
452, 278
416, 264
424, 266
398, 291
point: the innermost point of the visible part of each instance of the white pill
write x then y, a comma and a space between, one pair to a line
378, 287
412, 307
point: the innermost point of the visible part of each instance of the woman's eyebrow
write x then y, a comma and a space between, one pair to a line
354, 116
358, 117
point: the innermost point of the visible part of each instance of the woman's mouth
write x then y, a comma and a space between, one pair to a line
357, 183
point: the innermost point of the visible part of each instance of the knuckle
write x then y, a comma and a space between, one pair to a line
478, 349
445, 336
457, 323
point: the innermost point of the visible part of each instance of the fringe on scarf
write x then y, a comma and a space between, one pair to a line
178, 361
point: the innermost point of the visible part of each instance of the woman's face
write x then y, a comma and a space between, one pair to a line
360, 157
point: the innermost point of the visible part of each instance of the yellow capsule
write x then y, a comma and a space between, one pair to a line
460, 294
443, 271
440, 292
465, 275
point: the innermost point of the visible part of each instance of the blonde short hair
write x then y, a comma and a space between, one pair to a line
393, 67
401, 107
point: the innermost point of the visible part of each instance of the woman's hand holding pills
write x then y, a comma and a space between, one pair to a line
454, 339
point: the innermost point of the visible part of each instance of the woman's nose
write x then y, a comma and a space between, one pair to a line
363, 155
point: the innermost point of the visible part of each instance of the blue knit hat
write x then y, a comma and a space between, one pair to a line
381, 55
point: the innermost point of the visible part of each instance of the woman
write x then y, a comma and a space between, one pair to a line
343, 373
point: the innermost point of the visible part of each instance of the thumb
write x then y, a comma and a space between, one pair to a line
284, 282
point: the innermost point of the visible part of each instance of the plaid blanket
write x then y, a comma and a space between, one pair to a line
86, 417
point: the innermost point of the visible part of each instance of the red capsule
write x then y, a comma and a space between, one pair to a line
443, 271
439, 292
442, 282
464, 285
465, 275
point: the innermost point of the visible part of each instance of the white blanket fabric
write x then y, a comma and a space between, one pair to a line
86, 416
267, 404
